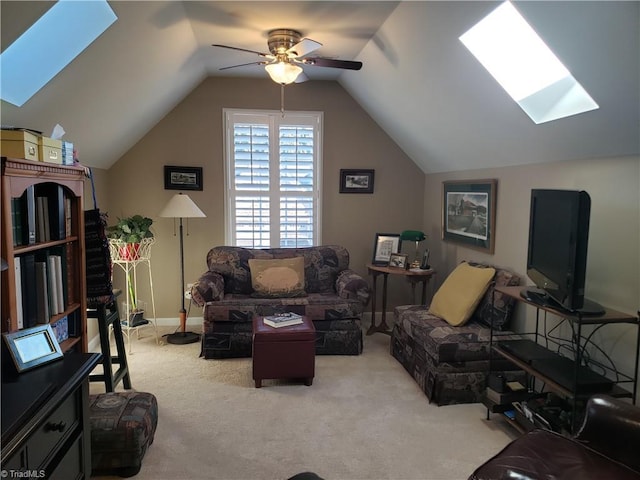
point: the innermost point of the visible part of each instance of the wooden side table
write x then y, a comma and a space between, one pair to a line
412, 276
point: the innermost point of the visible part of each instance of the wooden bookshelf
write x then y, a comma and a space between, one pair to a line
59, 232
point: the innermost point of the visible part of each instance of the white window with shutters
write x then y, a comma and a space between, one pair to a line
272, 178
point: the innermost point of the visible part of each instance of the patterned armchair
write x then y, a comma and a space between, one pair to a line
327, 291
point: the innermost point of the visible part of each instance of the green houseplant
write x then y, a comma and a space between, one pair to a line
131, 229
127, 235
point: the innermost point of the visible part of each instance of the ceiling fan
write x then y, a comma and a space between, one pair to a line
289, 50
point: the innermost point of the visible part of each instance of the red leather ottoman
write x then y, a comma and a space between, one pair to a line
285, 352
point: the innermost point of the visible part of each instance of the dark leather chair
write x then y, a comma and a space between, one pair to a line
605, 447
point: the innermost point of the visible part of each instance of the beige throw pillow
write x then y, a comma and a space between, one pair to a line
273, 278
459, 295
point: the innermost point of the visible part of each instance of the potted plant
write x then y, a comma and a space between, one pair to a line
127, 235
129, 232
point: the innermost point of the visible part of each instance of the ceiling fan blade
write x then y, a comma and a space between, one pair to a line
304, 47
329, 62
242, 50
243, 65
301, 78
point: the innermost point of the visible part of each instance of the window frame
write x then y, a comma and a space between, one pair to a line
274, 119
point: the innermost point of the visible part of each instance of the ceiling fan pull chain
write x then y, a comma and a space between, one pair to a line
282, 99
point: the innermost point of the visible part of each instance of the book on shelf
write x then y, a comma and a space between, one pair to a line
29, 289
282, 320
18, 279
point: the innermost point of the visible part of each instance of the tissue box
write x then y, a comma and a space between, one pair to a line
50, 150
19, 144
61, 329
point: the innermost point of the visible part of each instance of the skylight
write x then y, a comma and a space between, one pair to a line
506, 45
49, 45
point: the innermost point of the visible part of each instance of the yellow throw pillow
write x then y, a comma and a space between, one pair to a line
273, 278
459, 295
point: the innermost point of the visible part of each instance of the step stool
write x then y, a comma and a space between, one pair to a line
107, 314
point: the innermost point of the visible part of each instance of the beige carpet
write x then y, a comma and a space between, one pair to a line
363, 418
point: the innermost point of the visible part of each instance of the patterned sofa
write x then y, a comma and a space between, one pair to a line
451, 363
334, 297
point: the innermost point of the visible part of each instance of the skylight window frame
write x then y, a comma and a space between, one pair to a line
49, 45
535, 78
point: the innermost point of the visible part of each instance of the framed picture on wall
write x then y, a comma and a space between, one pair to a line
469, 213
356, 181
182, 178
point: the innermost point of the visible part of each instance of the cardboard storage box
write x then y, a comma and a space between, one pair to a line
50, 150
19, 144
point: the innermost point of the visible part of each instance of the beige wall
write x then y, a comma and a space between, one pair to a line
192, 135
613, 270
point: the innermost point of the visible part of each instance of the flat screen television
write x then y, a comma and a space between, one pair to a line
557, 253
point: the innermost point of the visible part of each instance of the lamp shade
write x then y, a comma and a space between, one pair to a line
283, 72
181, 206
413, 235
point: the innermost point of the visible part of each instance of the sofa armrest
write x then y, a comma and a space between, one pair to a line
350, 284
612, 428
208, 288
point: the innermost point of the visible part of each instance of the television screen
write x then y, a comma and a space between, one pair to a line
557, 253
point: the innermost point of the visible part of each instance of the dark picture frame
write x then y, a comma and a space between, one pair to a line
384, 246
32, 347
356, 181
469, 213
182, 178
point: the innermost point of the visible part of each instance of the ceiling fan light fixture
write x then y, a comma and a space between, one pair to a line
283, 73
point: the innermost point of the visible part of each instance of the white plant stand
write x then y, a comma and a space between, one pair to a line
130, 256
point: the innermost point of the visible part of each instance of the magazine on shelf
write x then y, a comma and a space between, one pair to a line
282, 320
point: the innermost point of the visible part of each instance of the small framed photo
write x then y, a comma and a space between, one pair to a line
32, 347
356, 181
384, 246
182, 178
399, 260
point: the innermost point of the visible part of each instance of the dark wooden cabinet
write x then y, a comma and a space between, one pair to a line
61, 236
45, 419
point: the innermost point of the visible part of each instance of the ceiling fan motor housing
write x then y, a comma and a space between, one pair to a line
282, 39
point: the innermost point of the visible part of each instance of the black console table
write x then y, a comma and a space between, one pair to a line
45, 419
562, 367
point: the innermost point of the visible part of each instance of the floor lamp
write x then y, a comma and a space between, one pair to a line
181, 206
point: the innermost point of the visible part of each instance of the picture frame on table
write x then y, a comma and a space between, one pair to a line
385, 244
356, 181
32, 347
182, 178
399, 260
469, 213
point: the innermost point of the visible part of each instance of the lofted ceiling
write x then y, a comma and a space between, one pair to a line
418, 82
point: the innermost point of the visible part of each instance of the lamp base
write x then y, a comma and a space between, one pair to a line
182, 338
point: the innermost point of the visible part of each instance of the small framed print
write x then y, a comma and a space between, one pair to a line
384, 246
32, 347
399, 260
182, 178
356, 181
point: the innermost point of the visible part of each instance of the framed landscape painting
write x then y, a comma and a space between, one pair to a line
469, 213
356, 181
182, 178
